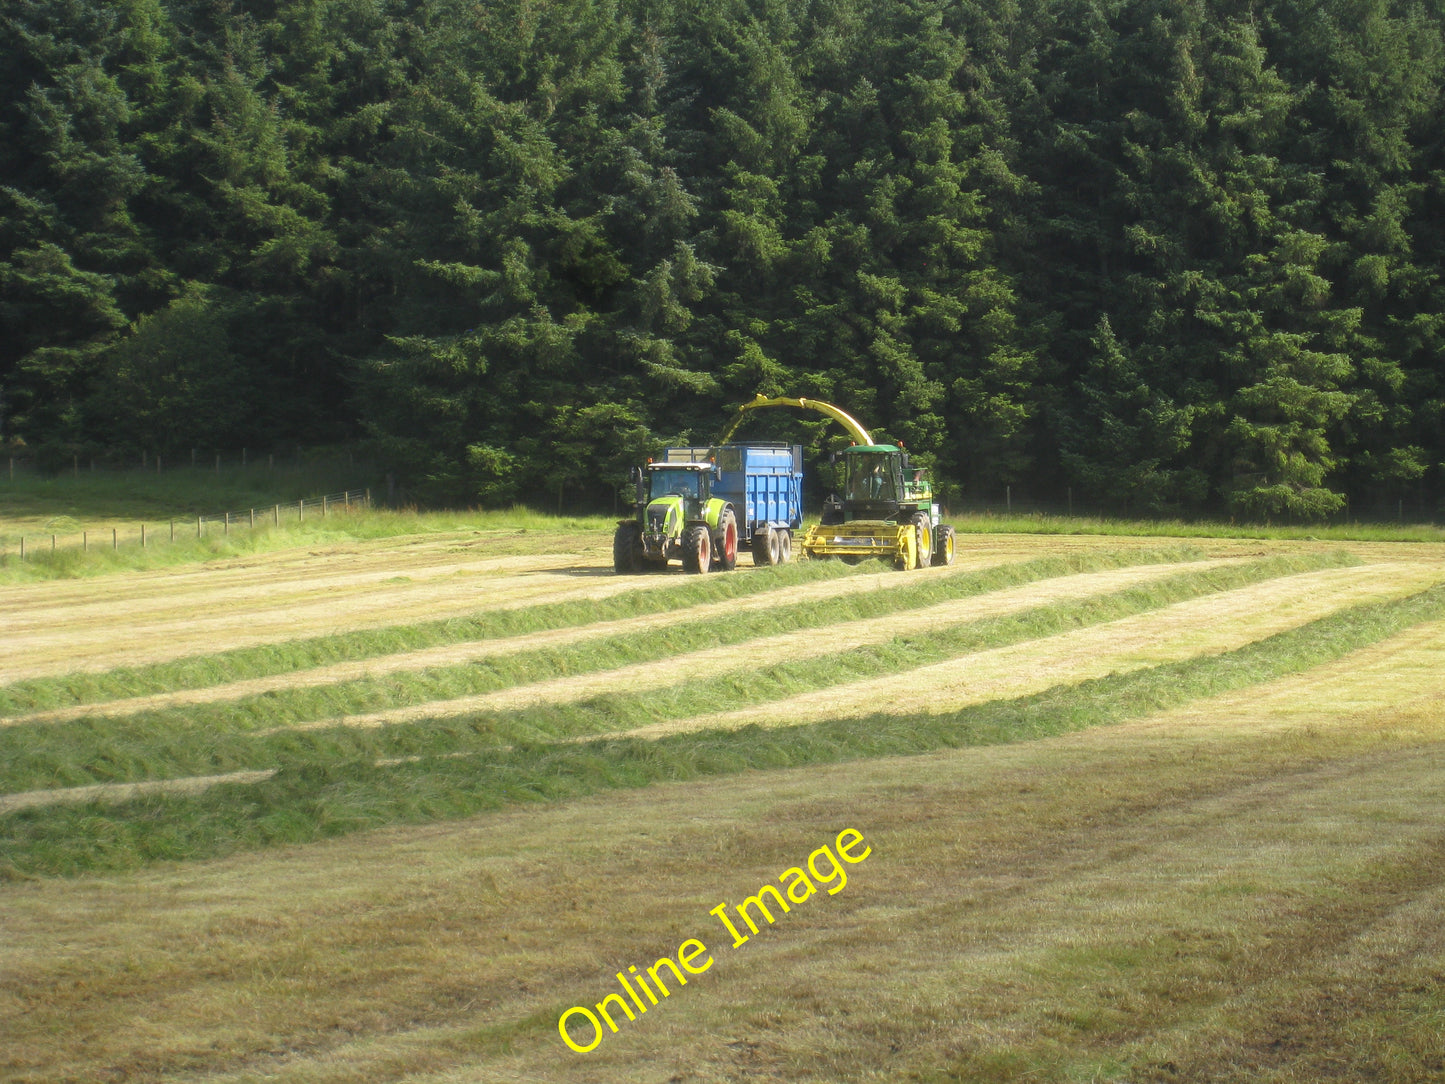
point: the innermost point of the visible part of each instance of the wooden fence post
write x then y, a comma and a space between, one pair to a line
142, 536
114, 540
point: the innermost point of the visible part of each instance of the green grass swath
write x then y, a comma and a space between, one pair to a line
160, 746
314, 800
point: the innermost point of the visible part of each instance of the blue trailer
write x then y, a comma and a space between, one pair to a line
764, 484
701, 505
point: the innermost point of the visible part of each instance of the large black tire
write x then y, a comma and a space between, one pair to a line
725, 545
785, 545
832, 513
943, 546
763, 546
696, 549
627, 549
923, 538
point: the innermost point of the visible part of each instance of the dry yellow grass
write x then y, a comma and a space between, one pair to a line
1245, 889
507, 597
1207, 625
807, 643
1213, 897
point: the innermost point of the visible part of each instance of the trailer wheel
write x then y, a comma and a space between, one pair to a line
785, 546
627, 549
696, 550
763, 546
726, 551
943, 546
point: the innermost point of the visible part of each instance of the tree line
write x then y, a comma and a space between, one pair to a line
1183, 255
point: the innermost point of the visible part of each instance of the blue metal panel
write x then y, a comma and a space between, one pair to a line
764, 482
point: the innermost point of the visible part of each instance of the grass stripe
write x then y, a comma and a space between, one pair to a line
162, 745
312, 800
265, 660
719, 628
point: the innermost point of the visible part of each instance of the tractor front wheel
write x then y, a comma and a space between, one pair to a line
696, 550
627, 549
725, 551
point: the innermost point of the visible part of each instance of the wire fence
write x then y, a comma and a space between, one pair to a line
30, 546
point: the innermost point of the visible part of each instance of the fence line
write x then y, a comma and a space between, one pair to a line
272, 515
75, 465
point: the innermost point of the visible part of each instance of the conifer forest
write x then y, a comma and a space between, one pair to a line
1172, 256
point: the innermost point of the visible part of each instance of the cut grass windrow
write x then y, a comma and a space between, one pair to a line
501, 669
310, 800
163, 745
239, 664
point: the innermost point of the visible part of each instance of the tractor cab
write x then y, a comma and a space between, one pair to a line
690, 481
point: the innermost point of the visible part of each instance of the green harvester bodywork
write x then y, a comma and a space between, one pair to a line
886, 511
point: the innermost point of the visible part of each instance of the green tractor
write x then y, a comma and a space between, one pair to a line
677, 517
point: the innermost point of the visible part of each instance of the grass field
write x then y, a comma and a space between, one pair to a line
383, 803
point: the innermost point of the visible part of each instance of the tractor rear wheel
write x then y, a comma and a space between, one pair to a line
764, 546
726, 550
696, 550
943, 546
923, 539
627, 549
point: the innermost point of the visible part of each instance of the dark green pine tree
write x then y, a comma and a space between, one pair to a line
70, 254
501, 357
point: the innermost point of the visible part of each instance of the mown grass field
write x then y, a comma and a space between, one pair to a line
383, 805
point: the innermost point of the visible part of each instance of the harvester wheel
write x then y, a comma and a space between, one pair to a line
726, 550
763, 546
627, 549
923, 538
785, 546
943, 546
696, 550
